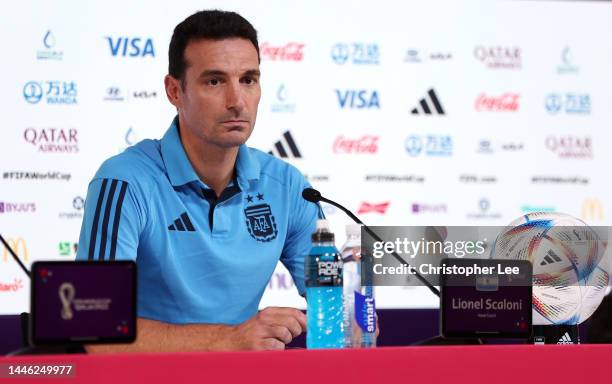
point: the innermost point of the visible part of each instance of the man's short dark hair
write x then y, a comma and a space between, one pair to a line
209, 24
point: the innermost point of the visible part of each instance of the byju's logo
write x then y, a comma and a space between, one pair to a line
429, 145
130, 46
356, 53
358, 99
282, 103
49, 52
570, 103
53, 92
53, 140
286, 148
498, 57
426, 104
567, 66
420, 208
570, 147
9, 207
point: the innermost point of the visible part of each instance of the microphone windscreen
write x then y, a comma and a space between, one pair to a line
311, 194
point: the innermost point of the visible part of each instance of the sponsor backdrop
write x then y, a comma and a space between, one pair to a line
417, 113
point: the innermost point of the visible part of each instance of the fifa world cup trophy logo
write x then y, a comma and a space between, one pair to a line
66, 295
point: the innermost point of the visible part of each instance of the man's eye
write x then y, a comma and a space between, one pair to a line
249, 80
213, 82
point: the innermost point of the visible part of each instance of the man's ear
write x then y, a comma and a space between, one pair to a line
173, 90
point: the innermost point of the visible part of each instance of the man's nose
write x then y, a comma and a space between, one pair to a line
234, 99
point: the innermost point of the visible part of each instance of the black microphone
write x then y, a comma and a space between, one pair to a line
314, 196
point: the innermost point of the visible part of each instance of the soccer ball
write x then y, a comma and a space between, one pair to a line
569, 265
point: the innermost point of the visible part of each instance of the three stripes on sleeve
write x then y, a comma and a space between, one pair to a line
106, 219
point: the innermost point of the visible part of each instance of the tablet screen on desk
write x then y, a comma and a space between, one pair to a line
83, 302
493, 302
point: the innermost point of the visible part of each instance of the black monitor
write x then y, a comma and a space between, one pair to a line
83, 302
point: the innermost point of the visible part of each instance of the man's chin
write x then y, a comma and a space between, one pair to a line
231, 140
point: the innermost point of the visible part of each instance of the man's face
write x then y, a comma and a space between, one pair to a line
218, 101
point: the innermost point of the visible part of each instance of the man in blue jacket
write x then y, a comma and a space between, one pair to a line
205, 217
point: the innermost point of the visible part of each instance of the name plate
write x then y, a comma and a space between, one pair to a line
485, 298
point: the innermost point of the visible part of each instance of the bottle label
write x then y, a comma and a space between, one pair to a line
329, 273
365, 312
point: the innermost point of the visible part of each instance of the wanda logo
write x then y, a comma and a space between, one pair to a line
364, 144
288, 52
508, 102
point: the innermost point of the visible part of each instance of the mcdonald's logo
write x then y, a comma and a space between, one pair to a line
592, 209
19, 246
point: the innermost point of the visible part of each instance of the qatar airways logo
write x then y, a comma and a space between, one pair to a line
507, 102
570, 147
288, 52
499, 57
53, 140
366, 144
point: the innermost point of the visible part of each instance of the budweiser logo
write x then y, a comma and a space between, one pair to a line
508, 102
287, 52
365, 144
380, 208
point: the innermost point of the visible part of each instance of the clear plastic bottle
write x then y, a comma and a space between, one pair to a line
324, 291
359, 307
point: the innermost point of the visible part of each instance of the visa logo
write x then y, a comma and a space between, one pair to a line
131, 46
358, 99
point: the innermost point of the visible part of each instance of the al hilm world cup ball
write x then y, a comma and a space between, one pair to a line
569, 264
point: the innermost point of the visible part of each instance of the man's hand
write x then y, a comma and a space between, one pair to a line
271, 328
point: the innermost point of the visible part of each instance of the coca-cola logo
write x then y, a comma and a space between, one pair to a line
52, 139
364, 144
570, 146
288, 52
499, 57
507, 102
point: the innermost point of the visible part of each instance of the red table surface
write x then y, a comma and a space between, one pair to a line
453, 364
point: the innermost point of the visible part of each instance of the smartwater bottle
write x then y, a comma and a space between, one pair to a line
325, 327
359, 308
